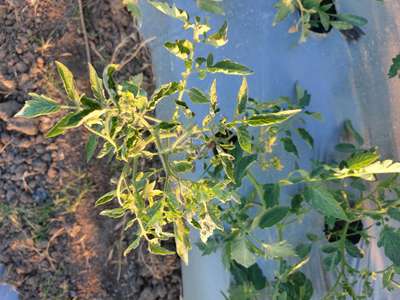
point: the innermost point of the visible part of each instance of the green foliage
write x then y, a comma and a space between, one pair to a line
315, 15
395, 67
198, 183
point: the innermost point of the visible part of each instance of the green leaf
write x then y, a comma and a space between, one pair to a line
353, 250
108, 81
213, 96
269, 119
394, 213
132, 246
395, 67
157, 249
212, 6
220, 38
228, 168
289, 146
71, 120
302, 96
183, 166
323, 201
271, 195
387, 278
345, 148
352, 19
163, 91
133, 7
273, 216
352, 132
244, 139
230, 68
242, 97
106, 198
114, 213
279, 250
171, 11
181, 48
241, 166
167, 125
306, 136
90, 103
96, 84
241, 253
362, 159
91, 146
68, 81
325, 19
197, 96
390, 241
39, 105
284, 7
342, 25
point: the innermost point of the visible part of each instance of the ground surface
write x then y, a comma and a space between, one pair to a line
52, 241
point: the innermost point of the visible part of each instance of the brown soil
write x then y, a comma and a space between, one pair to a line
52, 240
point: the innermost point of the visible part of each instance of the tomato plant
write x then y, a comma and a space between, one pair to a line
204, 165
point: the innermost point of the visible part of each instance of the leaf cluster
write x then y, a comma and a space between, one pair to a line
204, 165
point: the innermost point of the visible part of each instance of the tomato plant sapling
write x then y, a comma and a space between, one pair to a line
204, 165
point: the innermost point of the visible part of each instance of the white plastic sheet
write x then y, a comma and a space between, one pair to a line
346, 81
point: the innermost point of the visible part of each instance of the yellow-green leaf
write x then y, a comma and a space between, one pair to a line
68, 82
39, 105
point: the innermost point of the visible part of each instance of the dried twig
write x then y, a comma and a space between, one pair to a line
85, 37
127, 59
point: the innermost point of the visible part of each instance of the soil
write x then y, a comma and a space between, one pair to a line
53, 243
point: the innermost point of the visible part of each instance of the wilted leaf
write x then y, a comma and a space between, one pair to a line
182, 240
220, 38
